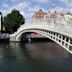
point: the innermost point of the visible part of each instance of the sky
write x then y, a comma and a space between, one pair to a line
28, 7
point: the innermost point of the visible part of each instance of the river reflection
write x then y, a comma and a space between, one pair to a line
34, 57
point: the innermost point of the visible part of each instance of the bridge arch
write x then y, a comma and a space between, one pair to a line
60, 39
60, 34
18, 36
24, 37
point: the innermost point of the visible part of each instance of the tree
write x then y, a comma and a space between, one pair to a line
13, 21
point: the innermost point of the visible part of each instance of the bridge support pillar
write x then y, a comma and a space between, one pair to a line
12, 39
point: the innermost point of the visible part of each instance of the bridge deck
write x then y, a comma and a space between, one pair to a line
59, 28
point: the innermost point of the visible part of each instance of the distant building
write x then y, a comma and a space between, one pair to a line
50, 16
68, 17
40, 15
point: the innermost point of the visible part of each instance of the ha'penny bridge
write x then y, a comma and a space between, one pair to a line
61, 33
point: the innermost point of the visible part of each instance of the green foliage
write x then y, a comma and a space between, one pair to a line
13, 21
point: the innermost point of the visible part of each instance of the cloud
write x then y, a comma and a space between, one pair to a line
25, 8
36, 8
5, 5
41, 1
59, 9
22, 5
6, 8
67, 3
5, 1
15, 0
63, 9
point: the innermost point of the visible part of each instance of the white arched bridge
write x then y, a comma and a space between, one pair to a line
61, 33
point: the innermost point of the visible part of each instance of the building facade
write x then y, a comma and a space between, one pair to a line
40, 15
50, 16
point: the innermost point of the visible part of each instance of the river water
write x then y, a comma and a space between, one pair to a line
34, 57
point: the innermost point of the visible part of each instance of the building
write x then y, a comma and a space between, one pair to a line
40, 15
50, 16
68, 16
